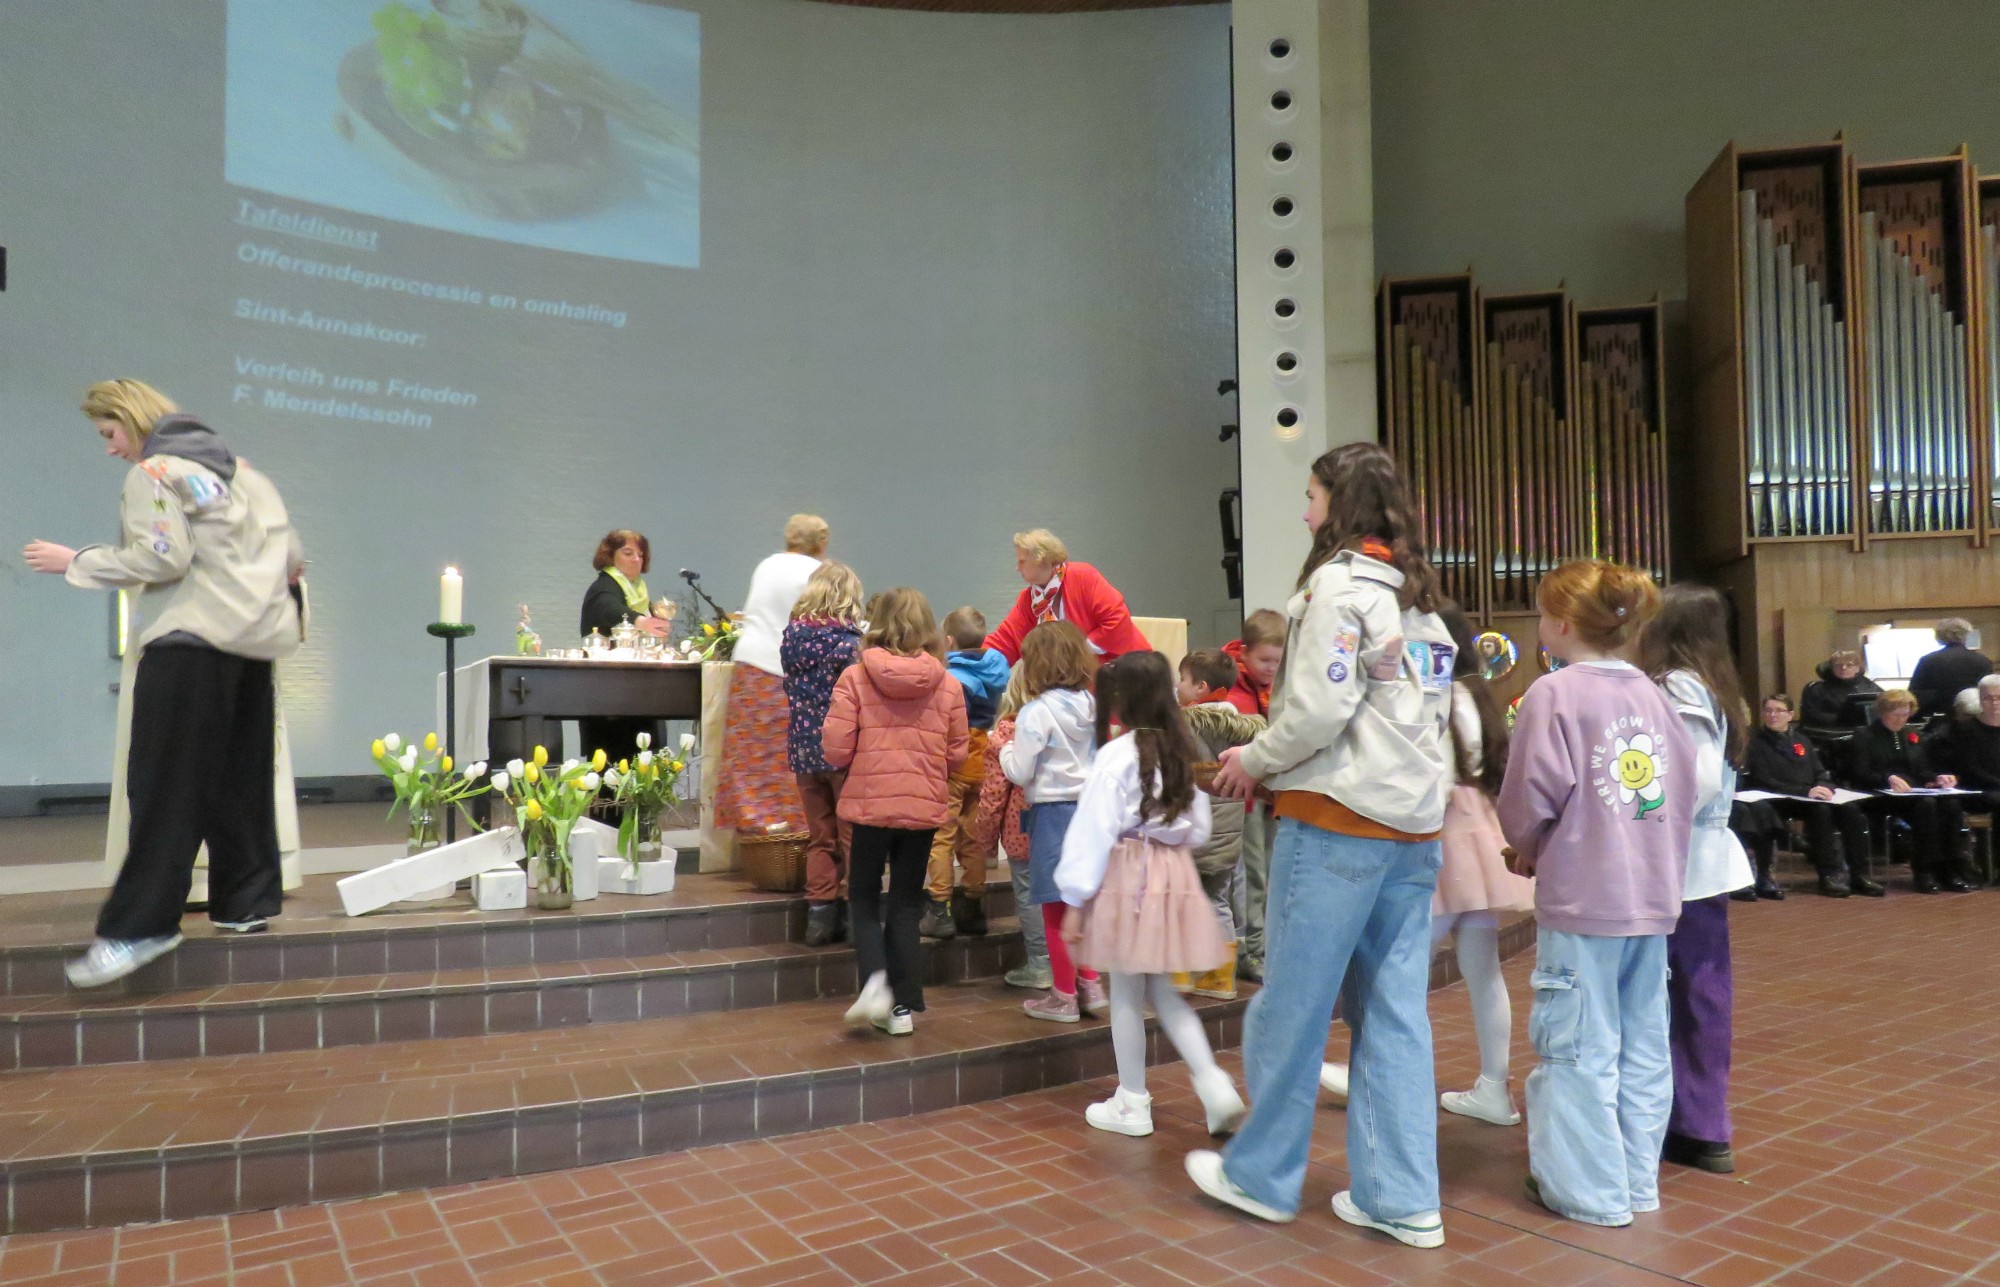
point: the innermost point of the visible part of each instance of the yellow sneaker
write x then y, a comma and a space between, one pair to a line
1219, 982
1183, 983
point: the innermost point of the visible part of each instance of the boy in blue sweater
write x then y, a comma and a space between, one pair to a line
983, 675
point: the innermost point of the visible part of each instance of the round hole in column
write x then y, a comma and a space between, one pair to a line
1281, 48
1281, 100
1283, 207
1281, 151
1288, 423
1287, 361
1285, 307
1283, 258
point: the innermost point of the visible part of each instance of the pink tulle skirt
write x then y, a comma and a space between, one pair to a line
1474, 877
1151, 916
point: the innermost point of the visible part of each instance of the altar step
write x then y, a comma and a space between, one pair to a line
75, 1029
132, 1142
315, 940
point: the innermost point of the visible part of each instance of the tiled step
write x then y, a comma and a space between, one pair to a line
121, 1143
314, 940
309, 1014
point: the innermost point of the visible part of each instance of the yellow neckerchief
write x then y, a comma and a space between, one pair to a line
635, 592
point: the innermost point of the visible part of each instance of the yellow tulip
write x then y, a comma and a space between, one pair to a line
533, 812
678, 766
444, 765
624, 766
708, 627
430, 741
541, 756
377, 749
597, 760
532, 774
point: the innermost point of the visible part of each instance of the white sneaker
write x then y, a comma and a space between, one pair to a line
111, 959
1425, 1229
1204, 1167
899, 1022
873, 1005
1333, 1080
1122, 1114
1487, 1100
1220, 1101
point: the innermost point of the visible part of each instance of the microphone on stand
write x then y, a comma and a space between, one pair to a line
693, 579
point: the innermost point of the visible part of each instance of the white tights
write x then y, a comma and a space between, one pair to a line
1130, 994
1479, 961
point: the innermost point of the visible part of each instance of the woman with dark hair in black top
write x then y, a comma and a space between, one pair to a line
617, 595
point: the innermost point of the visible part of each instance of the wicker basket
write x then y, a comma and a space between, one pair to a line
773, 861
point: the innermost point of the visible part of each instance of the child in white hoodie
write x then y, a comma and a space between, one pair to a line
1136, 908
1048, 758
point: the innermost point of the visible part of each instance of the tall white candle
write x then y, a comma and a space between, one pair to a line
451, 597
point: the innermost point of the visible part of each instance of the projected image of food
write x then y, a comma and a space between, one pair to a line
496, 107
571, 124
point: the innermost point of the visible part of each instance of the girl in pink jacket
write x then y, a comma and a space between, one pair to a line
897, 725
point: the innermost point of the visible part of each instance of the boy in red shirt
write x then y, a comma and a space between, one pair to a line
1257, 655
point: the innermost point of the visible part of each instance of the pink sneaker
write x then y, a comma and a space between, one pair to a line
1091, 998
1056, 1007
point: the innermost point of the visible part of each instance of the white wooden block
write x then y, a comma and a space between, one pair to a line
404, 878
585, 847
500, 891
437, 894
614, 876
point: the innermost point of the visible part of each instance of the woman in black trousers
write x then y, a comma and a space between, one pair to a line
1889, 757
1781, 759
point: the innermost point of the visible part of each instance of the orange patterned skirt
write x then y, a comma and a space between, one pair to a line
756, 790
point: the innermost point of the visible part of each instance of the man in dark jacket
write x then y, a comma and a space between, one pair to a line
1942, 675
1825, 704
1890, 758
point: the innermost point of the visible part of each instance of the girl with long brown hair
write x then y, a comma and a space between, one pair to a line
1356, 755
1134, 903
1686, 651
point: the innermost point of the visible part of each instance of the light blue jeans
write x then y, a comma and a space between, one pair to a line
1599, 1098
1344, 908
1033, 936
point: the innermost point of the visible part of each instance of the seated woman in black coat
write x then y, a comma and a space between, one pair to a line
1780, 759
1889, 756
1825, 704
619, 593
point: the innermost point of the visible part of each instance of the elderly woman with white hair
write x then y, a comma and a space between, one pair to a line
1942, 675
756, 791
1973, 750
1061, 589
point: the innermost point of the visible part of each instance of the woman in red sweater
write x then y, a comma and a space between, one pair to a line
1060, 590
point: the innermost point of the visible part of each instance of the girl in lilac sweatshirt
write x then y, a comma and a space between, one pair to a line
1597, 805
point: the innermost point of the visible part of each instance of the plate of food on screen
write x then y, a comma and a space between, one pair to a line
493, 108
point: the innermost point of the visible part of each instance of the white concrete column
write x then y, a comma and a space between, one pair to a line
1304, 264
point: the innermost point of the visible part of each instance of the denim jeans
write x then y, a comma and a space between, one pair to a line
1032, 934
1342, 907
1598, 1099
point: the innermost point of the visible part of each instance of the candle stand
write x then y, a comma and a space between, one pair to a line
451, 632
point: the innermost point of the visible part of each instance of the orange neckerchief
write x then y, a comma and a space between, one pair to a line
1045, 601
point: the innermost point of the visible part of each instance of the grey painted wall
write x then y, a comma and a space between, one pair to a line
960, 276
1549, 139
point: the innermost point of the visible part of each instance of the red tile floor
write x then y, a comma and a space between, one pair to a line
1868, 1134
